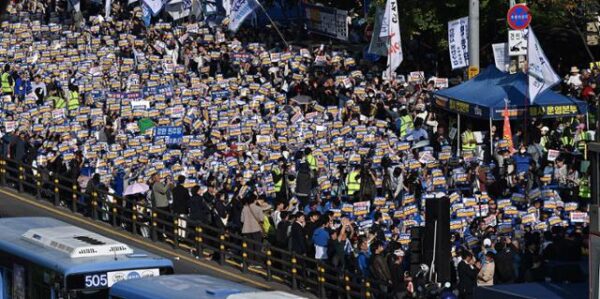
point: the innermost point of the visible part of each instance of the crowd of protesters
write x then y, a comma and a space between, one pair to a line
308, 149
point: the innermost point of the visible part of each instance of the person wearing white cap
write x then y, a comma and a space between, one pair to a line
486, 247
574, 79
398, 274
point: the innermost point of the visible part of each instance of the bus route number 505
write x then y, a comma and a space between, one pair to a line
96, 281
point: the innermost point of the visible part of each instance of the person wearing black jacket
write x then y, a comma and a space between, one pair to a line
199, 210
505, 270
181, 206
298, 240
221, 211
398, 271
297, 236
282, 235
467, 275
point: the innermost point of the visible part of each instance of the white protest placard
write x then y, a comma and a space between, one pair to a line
501, 58
458, 42
552, 155
517, 43
142, 103
440, 83
178, 112
416, 77
263, 139
579, 217
361, 208
10, 126
58, 114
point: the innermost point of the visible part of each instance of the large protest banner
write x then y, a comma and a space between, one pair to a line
458, 42
327, 21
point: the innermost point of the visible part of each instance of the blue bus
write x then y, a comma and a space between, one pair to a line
46, 258
190, 286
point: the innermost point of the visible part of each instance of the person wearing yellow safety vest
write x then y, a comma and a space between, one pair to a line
353, 181
8, 84
469, 143
58, 101
581, 138
566, 140
310, 159
406, 122
281, 186
73, 97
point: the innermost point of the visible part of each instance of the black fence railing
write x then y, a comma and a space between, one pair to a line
199, 239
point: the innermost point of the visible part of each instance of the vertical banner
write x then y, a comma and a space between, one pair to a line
378, 44
458, 42
390, 29
501, 58
240, 10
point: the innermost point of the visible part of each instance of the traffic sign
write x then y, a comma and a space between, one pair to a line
518, 17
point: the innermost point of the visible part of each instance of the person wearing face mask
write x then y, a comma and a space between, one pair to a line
522, 159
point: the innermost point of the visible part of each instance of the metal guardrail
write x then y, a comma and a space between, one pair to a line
199, 239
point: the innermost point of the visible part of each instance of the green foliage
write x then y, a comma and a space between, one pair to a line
426, 21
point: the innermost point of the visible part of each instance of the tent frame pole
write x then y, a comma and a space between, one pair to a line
458, 136
587, 120
491, 140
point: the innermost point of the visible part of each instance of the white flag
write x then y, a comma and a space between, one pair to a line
227, 7
240, 9
155, 5
541, 74
74, 5
390, 28
178, 9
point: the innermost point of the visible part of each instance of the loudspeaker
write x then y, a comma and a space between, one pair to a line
416, 248
438, 209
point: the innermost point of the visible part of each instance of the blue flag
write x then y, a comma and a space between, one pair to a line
146, 14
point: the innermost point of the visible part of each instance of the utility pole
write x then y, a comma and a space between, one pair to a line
473, 38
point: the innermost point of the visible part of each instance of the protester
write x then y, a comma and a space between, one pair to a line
306, 148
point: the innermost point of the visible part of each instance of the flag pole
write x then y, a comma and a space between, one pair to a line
273, 23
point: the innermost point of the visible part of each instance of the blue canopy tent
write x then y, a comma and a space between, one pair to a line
485, 96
